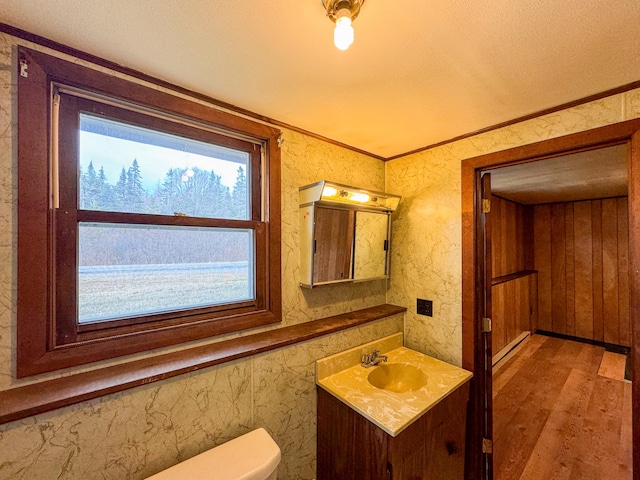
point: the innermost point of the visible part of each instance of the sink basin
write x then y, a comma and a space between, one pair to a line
395, 393
397, 377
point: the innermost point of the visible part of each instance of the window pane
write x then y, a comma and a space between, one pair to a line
125, 168
128, 270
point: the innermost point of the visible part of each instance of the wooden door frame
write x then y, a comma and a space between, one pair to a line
472, 287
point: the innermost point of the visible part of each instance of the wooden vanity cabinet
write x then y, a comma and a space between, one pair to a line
350, 447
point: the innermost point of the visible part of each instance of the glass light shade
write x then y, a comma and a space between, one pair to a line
360, 197
329, 192
343, 33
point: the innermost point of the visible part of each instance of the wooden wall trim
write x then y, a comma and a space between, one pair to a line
634, 289
59, 47
540, 113
22, 402
613, 134
45, 42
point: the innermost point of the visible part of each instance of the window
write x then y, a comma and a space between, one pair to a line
144, 220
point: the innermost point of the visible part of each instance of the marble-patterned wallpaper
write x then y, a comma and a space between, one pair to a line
306, 160
136, 433
133, 434
426, 257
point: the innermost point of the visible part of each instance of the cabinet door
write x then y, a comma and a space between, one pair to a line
432, 448
333, 237
349, 446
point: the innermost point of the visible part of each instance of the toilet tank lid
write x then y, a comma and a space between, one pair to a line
253, 456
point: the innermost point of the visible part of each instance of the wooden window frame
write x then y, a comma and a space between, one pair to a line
46, 340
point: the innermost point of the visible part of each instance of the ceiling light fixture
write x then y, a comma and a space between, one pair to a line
343, 13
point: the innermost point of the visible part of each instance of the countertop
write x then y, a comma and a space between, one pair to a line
342, 376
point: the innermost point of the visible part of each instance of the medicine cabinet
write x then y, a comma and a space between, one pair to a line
345, 233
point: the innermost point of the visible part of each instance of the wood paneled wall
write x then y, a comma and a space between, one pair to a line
581, 255
513, 310
514, 289
511, 237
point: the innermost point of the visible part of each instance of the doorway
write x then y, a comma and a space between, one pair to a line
560, 314
477, 352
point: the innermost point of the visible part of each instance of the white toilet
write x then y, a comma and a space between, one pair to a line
253, 456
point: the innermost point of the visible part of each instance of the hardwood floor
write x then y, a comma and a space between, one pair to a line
561, 412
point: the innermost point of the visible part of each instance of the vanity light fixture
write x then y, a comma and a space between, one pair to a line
345, 196
343, 13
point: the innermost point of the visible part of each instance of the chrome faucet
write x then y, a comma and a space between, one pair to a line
372, 359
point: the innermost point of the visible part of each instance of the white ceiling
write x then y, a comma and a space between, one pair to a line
419, 72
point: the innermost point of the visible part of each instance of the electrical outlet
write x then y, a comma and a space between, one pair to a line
424, 307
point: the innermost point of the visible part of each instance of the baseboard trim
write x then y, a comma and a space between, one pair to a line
504, 355
510, 346
609, 347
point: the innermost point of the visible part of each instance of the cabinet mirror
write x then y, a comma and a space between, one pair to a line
345, 233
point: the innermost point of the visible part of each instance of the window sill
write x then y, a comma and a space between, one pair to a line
22, 402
